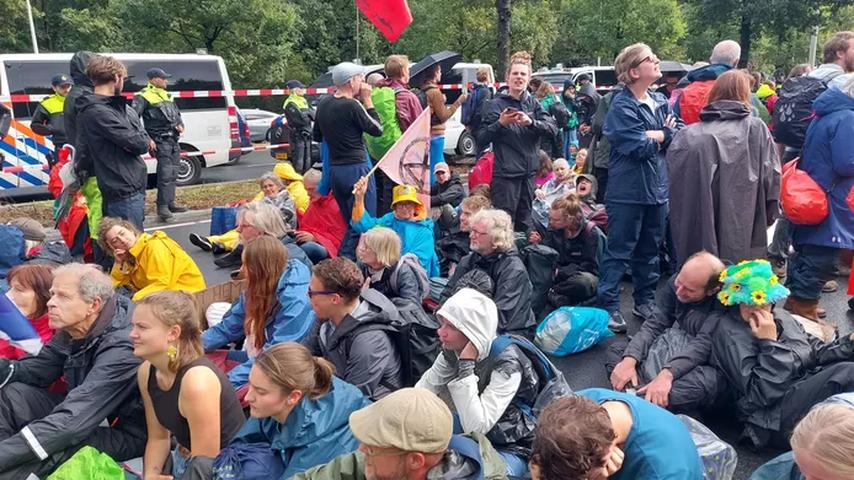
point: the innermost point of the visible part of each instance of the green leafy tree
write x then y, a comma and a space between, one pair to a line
590, 32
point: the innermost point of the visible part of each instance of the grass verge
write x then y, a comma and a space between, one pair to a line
197, 197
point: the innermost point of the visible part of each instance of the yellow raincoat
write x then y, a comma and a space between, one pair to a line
159, 263
295, 187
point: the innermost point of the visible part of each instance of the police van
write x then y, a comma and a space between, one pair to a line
210, 120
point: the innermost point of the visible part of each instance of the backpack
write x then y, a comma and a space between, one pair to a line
694, 97
560, 113
384, 99
803, 200
13, 252
552, 383
422, 99
414, 335
793, 110
469, 108
412, 260
596, 215
482, 171
540, 262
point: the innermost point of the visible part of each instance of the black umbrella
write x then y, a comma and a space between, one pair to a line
446, 60
669, 66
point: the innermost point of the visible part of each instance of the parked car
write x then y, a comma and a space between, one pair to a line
604, 78
259, 122
278, 133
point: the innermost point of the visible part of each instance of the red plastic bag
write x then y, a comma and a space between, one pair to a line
482, 171
803, 200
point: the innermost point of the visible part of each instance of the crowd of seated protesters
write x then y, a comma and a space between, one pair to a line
319, 350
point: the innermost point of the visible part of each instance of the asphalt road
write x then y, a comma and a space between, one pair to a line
250, 166
583, 370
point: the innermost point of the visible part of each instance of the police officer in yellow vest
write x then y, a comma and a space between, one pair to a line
48, 117
163, 123
298, 114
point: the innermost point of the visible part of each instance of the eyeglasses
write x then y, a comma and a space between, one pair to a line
650, 58
314, 293
478, 233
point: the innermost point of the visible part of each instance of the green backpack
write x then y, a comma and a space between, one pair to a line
89, 463
384, 104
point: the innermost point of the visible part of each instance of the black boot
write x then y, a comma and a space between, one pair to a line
175, 208
231, 260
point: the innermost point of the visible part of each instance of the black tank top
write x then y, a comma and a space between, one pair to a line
166, 405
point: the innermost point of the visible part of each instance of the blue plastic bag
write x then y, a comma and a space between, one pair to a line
570, 330
223, 219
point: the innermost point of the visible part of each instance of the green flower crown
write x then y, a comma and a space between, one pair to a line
751, 283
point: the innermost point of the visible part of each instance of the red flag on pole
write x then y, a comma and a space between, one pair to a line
391, 17
407, 162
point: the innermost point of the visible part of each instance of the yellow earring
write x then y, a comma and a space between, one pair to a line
172, 353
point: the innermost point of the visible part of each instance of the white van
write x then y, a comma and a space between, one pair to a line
457, 139
604, 78
211, 122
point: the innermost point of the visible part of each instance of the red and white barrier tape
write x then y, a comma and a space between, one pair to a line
254, 148
256, 92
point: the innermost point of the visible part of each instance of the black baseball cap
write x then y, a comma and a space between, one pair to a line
61, 79
157, 73
294, 84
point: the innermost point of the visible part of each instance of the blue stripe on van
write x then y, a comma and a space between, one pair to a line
32, 143
19, 154
31, 178
6, 184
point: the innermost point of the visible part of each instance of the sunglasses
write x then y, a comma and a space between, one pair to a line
650, 58
314, 293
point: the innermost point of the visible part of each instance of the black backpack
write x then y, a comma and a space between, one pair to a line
415, 337
560, 113
793, 111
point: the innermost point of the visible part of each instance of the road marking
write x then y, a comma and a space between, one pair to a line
175, 225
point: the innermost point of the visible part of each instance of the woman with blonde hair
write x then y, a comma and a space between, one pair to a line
147, 262
639, 126
273, 306
821, 445
184, 393
299, 409
386, 271
724, 178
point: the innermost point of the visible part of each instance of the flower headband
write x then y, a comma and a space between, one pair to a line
751, 283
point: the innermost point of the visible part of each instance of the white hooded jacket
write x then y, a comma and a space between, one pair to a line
476, 316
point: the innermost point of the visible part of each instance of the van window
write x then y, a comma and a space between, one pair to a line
31, 77
606, 78
186, 75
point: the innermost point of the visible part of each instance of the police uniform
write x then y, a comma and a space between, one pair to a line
299, 126
162, 119
49, 113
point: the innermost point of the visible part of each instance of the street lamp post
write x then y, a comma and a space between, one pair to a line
32, 27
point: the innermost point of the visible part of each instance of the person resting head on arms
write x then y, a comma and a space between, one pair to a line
29, 290
185, 394
600, 434
147, 262
386, 271
408, 219
273, 306
298, 409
